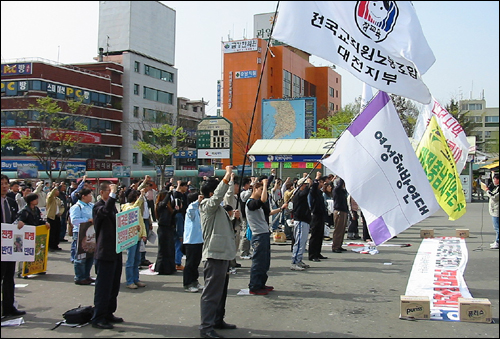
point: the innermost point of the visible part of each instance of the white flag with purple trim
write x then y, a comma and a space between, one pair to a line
380, 42
384, 176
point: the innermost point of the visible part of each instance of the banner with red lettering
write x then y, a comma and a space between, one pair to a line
438, 273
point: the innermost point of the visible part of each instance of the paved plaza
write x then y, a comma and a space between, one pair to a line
348, 295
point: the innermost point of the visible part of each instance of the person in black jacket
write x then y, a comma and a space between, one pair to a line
340, 213
165, 260
9, 214
318, 218
108, 263
302, 220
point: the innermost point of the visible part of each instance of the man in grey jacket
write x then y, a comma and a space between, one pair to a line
219, 249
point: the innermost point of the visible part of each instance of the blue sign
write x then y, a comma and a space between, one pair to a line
11, 165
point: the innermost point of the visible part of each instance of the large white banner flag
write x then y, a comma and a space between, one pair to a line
379, 42
382, 172
452, 131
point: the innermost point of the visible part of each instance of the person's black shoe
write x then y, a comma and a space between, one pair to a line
14, 313
237, 265
113, 319
210, 334
225, 326
83, 282
323, 257
103, 325
343, 249
337, 251
356, 237
63, 240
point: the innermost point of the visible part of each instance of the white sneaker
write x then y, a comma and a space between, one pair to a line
232, 270
191, 289
304, 265
200, 286
494, 246
296, 267
245, 257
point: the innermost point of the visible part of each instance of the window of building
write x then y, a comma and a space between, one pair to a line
157, 95
158, 73
135, 158
332, 107
472, 107
332, 92
287, 84
136, 112
135, 135
137, 66
136, 89
491, 119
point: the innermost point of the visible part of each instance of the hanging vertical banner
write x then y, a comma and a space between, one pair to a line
439, 165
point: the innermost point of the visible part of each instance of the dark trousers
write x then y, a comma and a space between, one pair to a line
261, 261
8, 271
317, 235
107, 287
353, 223
165, 259
190, 273
151, 206
213, 297
54, 232
366, 233
340, 221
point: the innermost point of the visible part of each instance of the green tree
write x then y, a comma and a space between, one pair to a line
467, 124
157, 146
407, 112
52, 138
333, 125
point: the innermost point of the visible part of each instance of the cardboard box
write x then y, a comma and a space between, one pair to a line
426, 233
415, 307
476, 310
462, 233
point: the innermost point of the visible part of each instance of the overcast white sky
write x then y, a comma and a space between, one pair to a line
464, 37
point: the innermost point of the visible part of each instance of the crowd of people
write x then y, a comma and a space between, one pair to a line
205, 226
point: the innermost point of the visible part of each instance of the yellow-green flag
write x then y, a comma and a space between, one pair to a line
439, 165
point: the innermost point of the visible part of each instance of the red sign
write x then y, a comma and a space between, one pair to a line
17, 133
83, 137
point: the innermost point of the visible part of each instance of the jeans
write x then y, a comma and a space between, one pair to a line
179, 222
178, 252
73, 246
64, 225
495, 226
82, 266
261, 261
132, 264
300, 234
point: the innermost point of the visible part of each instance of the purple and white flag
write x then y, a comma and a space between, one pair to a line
382, 172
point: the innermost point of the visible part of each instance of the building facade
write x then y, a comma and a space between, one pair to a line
97, 86
486, 120
286, 74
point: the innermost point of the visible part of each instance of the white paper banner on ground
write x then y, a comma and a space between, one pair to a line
383, 46
386, 164
438, 273
18, 244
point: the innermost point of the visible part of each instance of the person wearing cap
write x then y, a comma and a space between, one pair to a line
301, 224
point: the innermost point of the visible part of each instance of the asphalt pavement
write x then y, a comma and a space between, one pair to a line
348, 295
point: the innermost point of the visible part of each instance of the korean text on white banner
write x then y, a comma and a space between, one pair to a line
452, 130
127, 230
438, 272
438, 163
379, 42
386, 180
18, 244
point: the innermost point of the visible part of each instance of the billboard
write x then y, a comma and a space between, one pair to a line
288, 119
